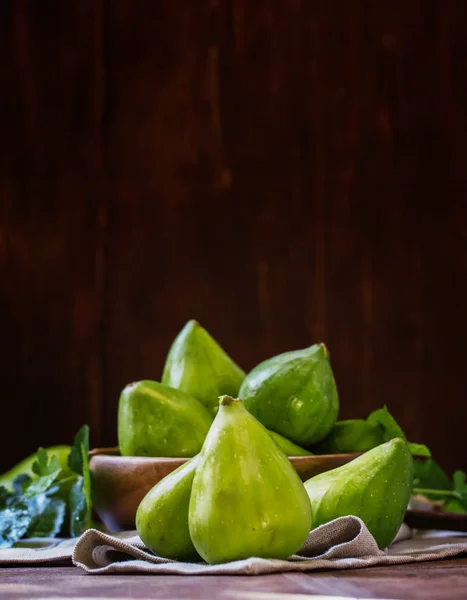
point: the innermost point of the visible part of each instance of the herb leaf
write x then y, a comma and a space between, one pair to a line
42, 466
21, 482
78, 508
14, 520
87, 487
49, 514
37, 506
432, 482
428, 474
382, 418
48, 471
418, 449
80, 493
5, 497
391, 429
459, 483
80, 498
75, 459
454, 506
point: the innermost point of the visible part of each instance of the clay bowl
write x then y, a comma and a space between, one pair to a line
121, 482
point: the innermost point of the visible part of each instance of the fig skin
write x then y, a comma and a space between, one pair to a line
156, 420
247, 499
288, 447
162, 516
197, 365
375, 487
294, 394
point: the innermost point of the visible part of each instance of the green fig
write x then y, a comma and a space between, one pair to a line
247, 499
25, 466
288, 447
156, 420
162, 516
375, 487
294, 394
354, 435
197, 365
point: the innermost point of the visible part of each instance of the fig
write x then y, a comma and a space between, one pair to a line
294, 394
375, 487
288, 447
162, 516
156, 420
247, 499
196, 364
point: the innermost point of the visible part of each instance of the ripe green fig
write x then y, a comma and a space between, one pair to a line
353, 435
162, 516
197, 365
156, 420
247, 499
375, 487
288, 447
294, 394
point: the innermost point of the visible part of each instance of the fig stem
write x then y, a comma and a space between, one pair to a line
227, 400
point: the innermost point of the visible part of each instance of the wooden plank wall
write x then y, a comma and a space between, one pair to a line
285, 171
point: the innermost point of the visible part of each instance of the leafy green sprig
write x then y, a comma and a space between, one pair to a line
383, 419
429, 478
432, 482
39, 506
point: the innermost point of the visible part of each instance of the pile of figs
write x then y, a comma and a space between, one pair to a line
239, 496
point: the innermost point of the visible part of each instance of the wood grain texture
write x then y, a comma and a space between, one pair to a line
285, 172
51, 179
425, 580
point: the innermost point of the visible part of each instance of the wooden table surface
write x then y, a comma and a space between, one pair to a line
440, 580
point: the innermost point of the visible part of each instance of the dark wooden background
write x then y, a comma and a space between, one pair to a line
284, 171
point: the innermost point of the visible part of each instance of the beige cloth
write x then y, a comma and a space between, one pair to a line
344, 543
38, 551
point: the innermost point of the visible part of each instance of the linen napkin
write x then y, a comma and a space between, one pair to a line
344, 543
46, 551
39, 551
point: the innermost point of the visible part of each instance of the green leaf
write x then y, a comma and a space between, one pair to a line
78, 508
42, 466
47, 472
41, 485
87, 486
21, 482
80, 494
455, 506
14, 520
431, 481
75, 459
391, 429
5, 496
418, 449
459, 482
49, 514
382, 418
37, 507
80, 500
428, 474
